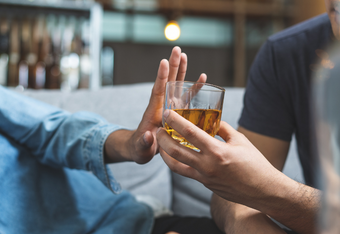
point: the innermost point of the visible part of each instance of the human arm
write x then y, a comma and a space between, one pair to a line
238, 172
235, 217
140, 145
55, 137
78, 141
269, 116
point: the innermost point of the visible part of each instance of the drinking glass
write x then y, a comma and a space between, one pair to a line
200, 103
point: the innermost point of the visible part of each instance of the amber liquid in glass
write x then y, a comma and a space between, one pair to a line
206, 119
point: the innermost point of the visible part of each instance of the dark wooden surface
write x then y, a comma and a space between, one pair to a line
135, 63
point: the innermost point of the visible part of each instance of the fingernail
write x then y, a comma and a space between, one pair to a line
166, 113
158, 130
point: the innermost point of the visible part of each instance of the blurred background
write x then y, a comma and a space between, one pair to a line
72, 44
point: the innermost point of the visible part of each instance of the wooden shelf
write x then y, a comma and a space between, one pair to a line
90, 10
72, 8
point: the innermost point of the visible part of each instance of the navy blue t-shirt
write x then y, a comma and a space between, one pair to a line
276, 101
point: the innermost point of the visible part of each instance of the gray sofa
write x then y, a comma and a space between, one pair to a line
124, 105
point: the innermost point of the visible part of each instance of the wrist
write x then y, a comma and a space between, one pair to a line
271, 192
281, 194
119, 146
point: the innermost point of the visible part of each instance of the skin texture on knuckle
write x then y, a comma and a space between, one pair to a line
169, 120
151, 119
156, 92
174, 64
174, 152
190, 161
189, 132
174, 169
162, 141
210, 172
220, 153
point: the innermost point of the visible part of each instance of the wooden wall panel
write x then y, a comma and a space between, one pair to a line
306, 9
134, 63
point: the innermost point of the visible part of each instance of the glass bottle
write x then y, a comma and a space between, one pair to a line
4, 51
14, 56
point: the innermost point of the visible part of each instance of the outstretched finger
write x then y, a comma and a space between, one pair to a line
202, 78
158, 89
182, 67
226, 131
174, 63
152, 113
196, 87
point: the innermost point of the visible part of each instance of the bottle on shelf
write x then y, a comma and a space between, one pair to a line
37, 69
23, 67
53, 73
41, 41
48, 61
85, 61
75, 53
4, 51
45, 51
14, 56
70, 59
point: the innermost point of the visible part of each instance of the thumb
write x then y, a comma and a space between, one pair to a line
144, 151
226, 131
146, 140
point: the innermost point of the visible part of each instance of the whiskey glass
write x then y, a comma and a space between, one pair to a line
200, 103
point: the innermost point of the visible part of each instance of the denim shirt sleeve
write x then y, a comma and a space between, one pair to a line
56, 137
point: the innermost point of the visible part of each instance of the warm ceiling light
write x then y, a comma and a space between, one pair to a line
172, 31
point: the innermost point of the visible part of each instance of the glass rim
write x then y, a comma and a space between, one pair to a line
219, 88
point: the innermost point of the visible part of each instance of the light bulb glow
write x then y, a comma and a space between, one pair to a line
172, 31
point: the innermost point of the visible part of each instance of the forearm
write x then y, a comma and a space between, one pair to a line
118, 146
233, 218
293, 204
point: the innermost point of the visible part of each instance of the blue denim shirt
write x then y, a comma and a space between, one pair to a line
45, 186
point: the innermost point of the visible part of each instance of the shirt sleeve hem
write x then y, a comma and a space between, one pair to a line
266, 130
94, 155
